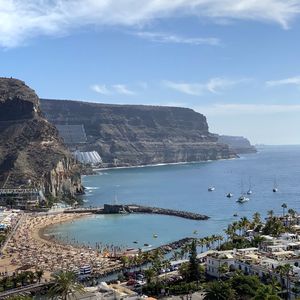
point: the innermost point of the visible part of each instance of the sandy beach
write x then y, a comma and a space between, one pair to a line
30, 249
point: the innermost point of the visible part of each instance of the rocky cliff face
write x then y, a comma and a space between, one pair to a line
138, 135
239, 144
31, 152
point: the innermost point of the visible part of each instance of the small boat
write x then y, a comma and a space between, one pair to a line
155, 236
146, 245
211, 188
242, 199
275, 188
229, 195
135, 242
195, 232
235, 214
249, 192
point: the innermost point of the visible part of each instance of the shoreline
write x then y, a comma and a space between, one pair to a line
40, 232
166, 164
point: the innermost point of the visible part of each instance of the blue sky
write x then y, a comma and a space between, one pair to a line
237, 62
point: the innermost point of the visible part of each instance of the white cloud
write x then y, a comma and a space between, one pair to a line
214, 85
122, 89
287, 81
24, 19
103, 89
176, 39
100, 89
229, 109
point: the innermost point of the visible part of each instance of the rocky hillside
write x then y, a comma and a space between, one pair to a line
239, 144
31, 152
137, 135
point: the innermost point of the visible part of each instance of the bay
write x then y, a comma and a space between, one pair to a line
184, 187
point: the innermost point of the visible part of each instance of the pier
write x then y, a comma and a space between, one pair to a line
140, 209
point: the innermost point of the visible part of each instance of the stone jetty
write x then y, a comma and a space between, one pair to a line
165, 211
135, 208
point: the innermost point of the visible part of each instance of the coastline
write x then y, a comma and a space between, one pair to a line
165, 164
39, 233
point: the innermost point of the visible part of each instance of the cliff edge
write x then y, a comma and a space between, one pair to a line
31, 152
128, 135
238, 144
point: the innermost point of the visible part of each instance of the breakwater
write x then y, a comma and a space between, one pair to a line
134, 208
165, 211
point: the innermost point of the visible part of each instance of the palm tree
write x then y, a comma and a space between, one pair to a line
284, 206
150, 273
219, 290
64, 285
285, 271
271, 213
292, 212
265, 292
256, 219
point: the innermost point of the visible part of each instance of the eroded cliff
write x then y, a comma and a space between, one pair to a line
31, 152
139, 135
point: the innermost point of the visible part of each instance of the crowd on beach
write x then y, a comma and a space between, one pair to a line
30, 249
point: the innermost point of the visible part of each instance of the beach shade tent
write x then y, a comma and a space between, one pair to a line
3, 226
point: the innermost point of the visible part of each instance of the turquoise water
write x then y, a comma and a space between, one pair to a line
184, 186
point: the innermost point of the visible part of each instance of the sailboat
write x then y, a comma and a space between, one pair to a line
249, 192
211, 188
242, 198
275, 188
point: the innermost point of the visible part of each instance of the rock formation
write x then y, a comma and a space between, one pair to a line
239, 144
31, 152
127, 135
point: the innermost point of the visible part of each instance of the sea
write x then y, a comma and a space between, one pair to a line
185, 187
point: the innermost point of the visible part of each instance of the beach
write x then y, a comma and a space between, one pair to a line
30, 249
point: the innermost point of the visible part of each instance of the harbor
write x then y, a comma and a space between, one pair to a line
138, 209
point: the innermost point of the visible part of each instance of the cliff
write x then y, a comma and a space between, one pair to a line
31, 152
138, 135
239, 144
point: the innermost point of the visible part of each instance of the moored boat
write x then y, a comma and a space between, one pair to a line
242, 199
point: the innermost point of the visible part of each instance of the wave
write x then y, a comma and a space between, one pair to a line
92, 187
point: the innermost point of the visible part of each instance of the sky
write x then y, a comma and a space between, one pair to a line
235, 61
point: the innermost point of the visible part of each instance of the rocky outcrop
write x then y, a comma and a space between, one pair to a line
239, 144
31, 152
126, 135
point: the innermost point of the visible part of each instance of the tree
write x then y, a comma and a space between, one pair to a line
193, 262
150, 274
264, 292
284, 206
219, 290
244, 285
273, 227
124, 261
64, 284
223, 269
39, 274
256, 220
271, 213
285, 271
